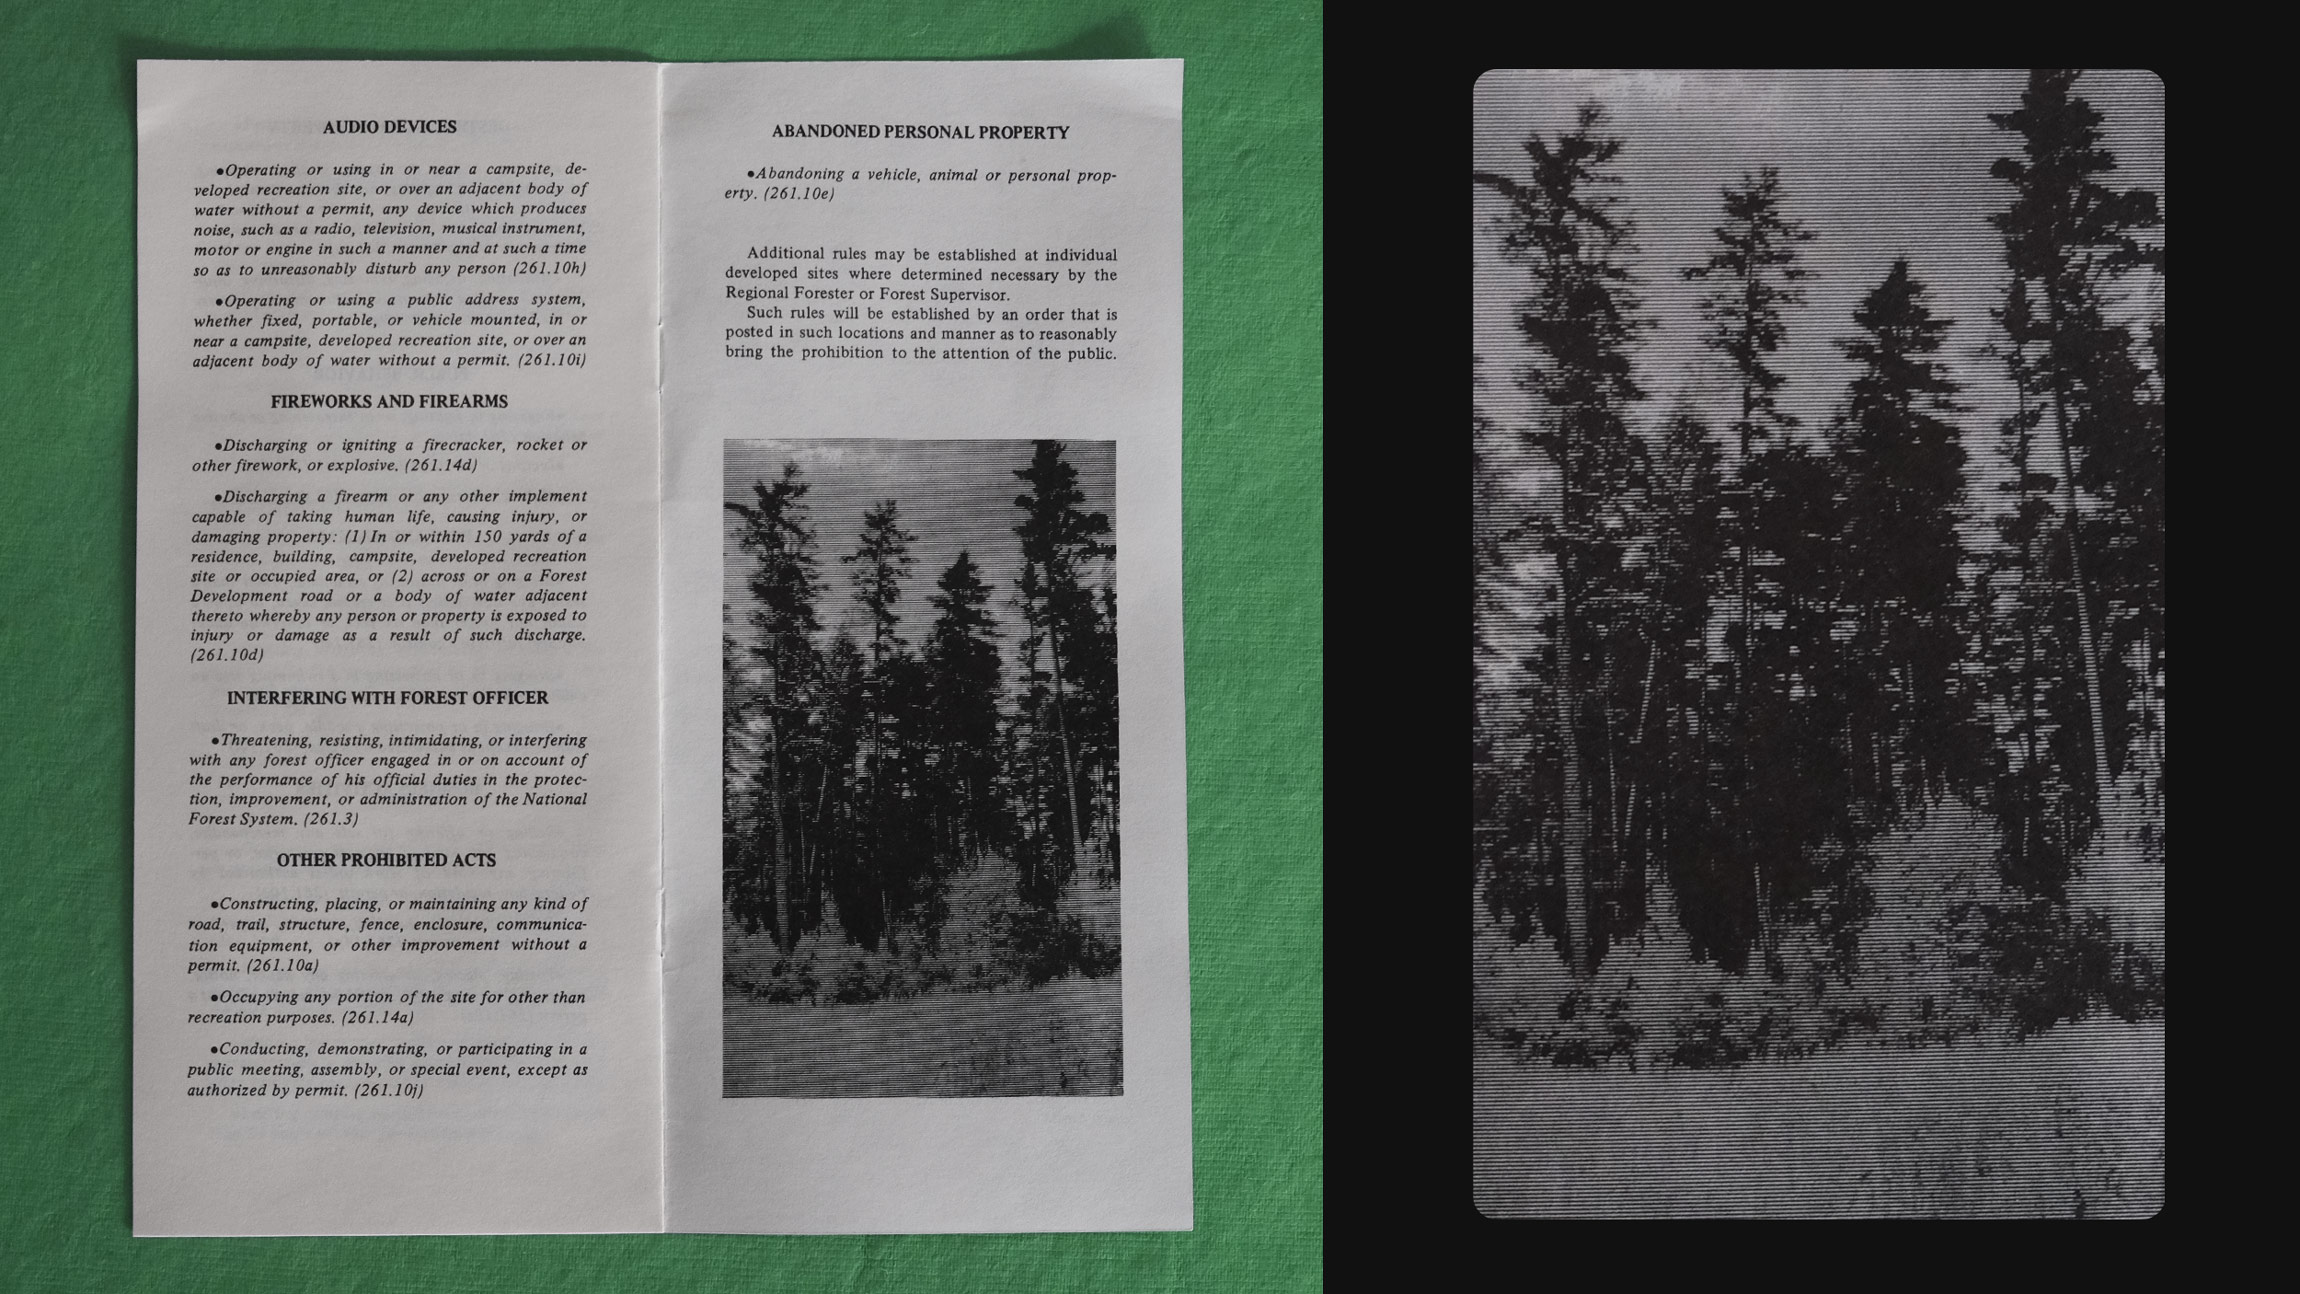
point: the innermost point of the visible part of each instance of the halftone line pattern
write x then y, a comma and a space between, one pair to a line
1819, 635
921, 786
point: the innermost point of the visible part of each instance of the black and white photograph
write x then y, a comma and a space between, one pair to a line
1819, 635
920, 786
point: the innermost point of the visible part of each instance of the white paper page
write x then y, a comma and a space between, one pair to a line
918, 1105
459, 434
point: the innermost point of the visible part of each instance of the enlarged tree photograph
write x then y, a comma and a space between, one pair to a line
1819, 634
919, 655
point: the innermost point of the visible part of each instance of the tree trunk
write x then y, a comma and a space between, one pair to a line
1748, 636
1612, 762
1062, 729
2156, 697
802, 874
783, 935
1918, 777
2028, 636
1748, 725
1637, 739
1110, 818
815, 838
1884, 767
1852, 762
2103, 789
1576, 825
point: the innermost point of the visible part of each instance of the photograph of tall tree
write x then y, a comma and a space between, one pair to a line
920, 789
1818, 751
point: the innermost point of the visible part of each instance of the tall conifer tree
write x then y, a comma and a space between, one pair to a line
1059, 539
1753, 273
1580, 321
784, 587
880, 561
2066, 234
963, 672
1903, 466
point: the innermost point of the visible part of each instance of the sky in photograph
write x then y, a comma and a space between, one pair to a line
1879, 165
953, 494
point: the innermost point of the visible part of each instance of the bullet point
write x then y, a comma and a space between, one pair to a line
216, 741
219, 170
215, 997
213, 1050
215, 905
219, 498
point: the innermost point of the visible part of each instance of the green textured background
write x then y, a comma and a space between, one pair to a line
1253, 143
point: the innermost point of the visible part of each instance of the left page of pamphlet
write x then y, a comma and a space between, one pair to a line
397, 803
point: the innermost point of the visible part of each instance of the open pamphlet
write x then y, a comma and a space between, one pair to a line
658, 599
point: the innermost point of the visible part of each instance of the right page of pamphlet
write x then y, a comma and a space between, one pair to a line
922, 636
